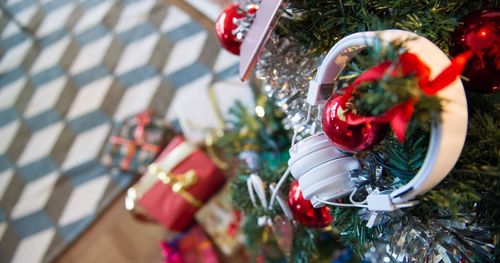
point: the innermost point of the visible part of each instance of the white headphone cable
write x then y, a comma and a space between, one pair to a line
351, 198
338, 204
278, 186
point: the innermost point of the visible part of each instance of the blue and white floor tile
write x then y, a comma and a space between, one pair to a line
73, 71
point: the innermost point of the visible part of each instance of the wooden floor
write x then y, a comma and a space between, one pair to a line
117, 237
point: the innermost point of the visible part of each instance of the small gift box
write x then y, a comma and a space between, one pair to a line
137, 142
190, 247
176, 185
222, 222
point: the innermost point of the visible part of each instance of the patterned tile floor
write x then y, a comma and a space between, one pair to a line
77, 69
210, 8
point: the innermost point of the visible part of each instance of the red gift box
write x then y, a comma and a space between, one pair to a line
176, 185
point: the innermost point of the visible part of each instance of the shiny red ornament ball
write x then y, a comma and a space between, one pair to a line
224, 27
303, 210
352, 138
480, 32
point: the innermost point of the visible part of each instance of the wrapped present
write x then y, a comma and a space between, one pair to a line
190, 247
212, 107
176, 185
137, 142
222, 222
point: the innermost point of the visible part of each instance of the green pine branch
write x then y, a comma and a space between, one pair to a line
405, 159
318, 24
354, 231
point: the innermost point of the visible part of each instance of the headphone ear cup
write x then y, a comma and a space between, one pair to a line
310, 153
331, 189
327, 170
331, 180
321, 168
327, 186
314, 159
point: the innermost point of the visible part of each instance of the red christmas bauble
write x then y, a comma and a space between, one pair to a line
303, 210
480, 32
348, 137
224, 27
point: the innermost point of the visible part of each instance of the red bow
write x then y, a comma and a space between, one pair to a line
142, 120
409, 64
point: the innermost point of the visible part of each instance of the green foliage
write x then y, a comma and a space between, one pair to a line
354, 231
254, 241
239, 186
318, 24
251, 133
376, 98
304, 244
405, 159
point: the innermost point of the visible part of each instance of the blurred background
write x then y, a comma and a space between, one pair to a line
71, 73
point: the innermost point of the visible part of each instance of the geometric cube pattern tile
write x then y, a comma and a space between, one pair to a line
69, 71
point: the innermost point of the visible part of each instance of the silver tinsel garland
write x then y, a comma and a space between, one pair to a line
408, 239
287, 71
244, 23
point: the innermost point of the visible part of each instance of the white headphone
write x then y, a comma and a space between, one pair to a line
324, 172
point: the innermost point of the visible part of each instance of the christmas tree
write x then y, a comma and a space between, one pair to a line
456, 221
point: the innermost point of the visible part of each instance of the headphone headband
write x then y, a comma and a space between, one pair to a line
447, 137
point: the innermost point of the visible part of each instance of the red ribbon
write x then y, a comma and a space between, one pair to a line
409, 64
142, 120
132, 148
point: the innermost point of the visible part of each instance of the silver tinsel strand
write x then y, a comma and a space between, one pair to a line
244, 23
407, 239
287, 71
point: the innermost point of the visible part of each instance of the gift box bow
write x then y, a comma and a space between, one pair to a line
142, 121
161, 171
